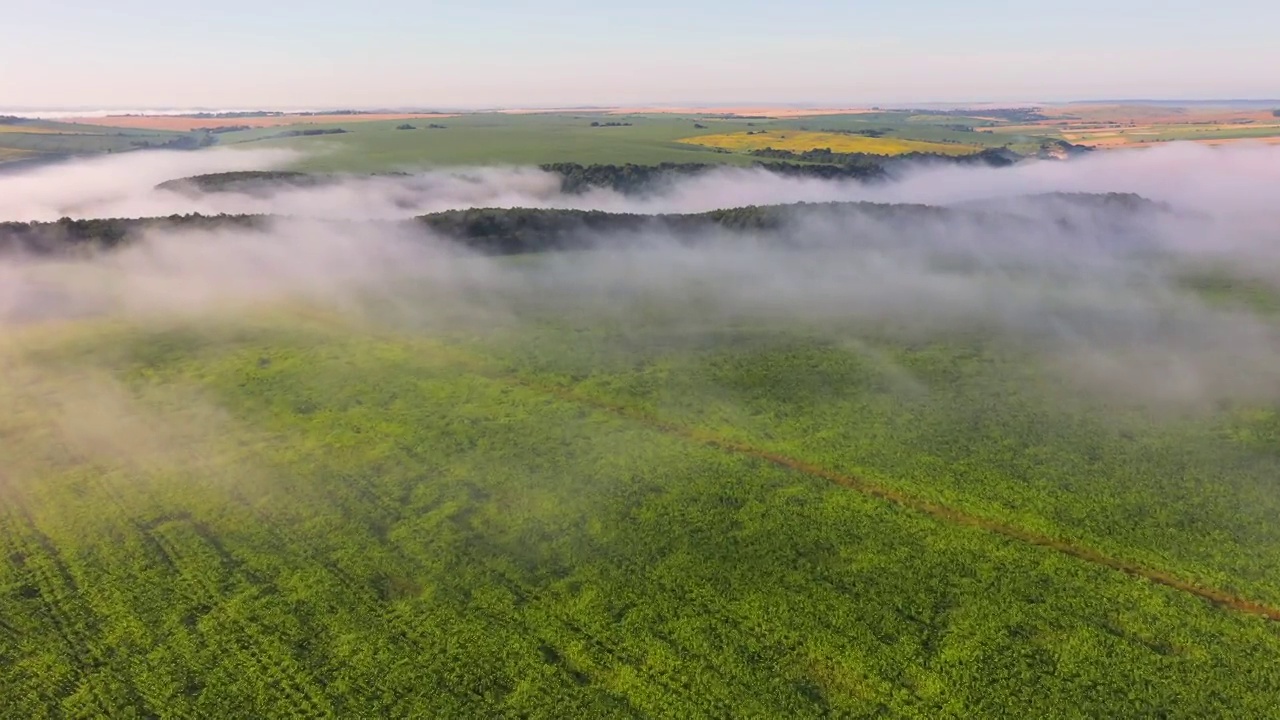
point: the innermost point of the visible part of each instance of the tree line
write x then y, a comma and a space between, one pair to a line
245, 181
513, 231
1013, 115
509, 231
634, 179
69, 236
822, 164
498, 231
877, 164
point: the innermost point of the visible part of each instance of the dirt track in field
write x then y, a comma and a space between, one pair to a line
1213, 596
1219, 598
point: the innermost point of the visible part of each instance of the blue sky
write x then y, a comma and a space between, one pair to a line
311, 53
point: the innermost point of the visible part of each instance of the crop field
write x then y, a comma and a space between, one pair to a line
175, 123
490, 139
800, 141
1104, 137
38, 130
7, 154
373, 142
580, 448
546, 511
77, 143
27, 139
1121, 126
500, 138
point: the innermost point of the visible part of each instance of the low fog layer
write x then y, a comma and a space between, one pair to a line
1101, 298
1236, 179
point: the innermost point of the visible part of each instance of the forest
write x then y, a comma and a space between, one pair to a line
638, 179
509, 231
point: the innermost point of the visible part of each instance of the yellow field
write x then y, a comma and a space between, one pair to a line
800, 141
7, 154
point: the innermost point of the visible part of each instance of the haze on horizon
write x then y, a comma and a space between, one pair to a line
294, 54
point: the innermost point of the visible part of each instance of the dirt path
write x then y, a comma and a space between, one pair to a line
1220, 598
1213, 596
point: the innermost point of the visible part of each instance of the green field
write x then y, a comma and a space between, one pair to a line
504, 139
926, 128
538, 504
496, 139
1209, 133
29, 139
514, 139
686, 481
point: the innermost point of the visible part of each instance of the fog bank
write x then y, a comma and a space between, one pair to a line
1097, 291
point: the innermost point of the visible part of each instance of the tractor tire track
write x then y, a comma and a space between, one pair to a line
1213, 596
1216, 597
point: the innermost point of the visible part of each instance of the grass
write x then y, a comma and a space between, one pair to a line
800, 141
287, 513
1224, 288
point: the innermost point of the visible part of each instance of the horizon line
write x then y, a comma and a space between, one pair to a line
415, 108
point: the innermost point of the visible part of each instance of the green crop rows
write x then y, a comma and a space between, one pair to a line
298, 517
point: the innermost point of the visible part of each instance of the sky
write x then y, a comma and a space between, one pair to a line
515, 53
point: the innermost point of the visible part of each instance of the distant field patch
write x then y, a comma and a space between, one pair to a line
179, 123
37, 130
1124, 126
800, 141
8, 154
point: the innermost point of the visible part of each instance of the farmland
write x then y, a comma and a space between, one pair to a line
542, 138
707, 137
493, 138
1009, 458
31, 139
554, 492
38, 130
1118, 126
800, 141
180, 123
375, 142
291, 513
